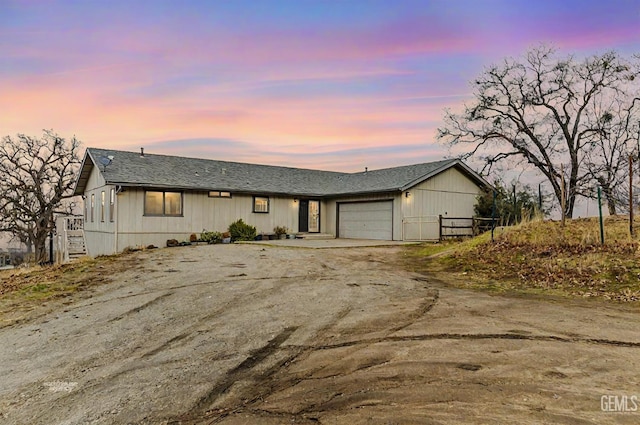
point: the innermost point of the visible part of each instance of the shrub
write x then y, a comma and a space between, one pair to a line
211, 237
280, 230
241, 231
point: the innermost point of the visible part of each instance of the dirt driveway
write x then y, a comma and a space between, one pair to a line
246, 334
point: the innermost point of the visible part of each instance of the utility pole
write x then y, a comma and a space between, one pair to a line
600, 215
515, 205
540, 200
563, 200
631, 194
493, 214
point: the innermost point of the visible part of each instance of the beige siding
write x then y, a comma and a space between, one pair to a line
199, 213
450, 194
99, 234
331, 208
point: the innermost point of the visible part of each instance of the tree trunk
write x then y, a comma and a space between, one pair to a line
607, 191
611, 204
41, 248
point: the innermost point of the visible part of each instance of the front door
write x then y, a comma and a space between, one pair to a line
309, 216
303, 216
314, 216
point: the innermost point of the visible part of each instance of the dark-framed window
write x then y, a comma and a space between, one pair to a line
261, 204
163, 203
112, 203
219, 194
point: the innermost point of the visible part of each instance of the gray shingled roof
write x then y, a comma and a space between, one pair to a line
174, 172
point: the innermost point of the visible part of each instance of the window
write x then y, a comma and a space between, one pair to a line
260, 204
172, 203
153, 203
218, 194
93, 205
112, 203
102, 206
163, 203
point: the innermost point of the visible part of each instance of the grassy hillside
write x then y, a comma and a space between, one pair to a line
24, 290
543, 256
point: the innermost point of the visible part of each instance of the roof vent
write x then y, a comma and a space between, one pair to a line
141, 152
223, 171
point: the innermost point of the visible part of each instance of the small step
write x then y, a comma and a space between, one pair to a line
314, 236
76, 247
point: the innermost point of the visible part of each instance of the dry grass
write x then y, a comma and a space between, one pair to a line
23, 290
544, 257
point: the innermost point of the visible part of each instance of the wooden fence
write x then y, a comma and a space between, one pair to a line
457, 227
439, 227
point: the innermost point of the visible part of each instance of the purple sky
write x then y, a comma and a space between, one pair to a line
334, 85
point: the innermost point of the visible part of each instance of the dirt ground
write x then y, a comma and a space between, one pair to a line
246, 334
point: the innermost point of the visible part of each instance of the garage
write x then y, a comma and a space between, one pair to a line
366, 220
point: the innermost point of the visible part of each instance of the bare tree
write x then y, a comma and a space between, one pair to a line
534, 110
606, 157
37, 175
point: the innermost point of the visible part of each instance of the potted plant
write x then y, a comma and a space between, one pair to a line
280, 231
211, 237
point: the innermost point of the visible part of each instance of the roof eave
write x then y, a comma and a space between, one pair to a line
362, 193
83, 176
454, 163
216, 188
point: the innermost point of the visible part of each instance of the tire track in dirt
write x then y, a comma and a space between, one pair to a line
243, 369
265, 384
129, 353
170, 342
424, 308
141, 307
278, 379
184, 334
187, 285
444, 336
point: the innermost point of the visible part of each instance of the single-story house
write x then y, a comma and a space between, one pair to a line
137, 199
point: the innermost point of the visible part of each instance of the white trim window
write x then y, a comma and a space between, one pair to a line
112, 203
102, 204
93, 205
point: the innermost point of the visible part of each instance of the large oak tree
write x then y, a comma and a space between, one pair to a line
37, 176
557, 113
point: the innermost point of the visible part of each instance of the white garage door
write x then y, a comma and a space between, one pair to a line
366, 220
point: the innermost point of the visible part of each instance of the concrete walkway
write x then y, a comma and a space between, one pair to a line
329, 243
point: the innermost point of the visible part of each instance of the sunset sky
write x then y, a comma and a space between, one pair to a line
336, 85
